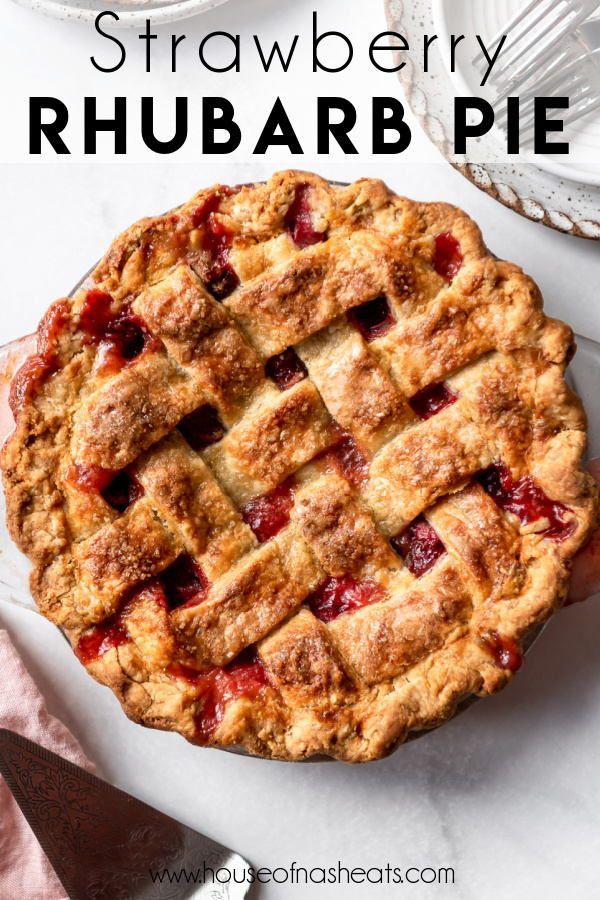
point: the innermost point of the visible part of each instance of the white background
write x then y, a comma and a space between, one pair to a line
508, 794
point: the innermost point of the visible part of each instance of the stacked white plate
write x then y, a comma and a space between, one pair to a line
561, 192
131, 13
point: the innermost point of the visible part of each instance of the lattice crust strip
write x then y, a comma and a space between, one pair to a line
298, 468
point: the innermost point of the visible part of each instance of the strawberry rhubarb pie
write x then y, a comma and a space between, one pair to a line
297, 468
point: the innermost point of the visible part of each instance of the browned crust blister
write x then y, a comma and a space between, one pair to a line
355, 687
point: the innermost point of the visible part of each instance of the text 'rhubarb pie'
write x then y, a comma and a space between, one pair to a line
297, 468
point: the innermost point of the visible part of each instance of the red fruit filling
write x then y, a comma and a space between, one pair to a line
286, 369
187, 673
121, 336
336, 596
202, 427
119, 489
347, 457
122, 491
152, 591
419, 545
372, 319
45, 362
527, 501
268, 514
184, 583
432, 400
212, 202
217, 238
506, 653
126, 338
244, 677
221, 278
28, 381
49, 329
96, 315
298, 219
100, 640
112, 633
209, 205
448, 258
91, 479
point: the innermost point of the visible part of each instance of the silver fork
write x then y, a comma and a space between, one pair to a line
579, 80
551, 47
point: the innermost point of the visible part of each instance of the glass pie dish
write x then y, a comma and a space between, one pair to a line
14, 567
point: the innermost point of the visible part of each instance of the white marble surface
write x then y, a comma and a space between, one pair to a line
507, 794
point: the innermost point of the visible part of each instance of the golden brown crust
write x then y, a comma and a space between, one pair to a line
218, 287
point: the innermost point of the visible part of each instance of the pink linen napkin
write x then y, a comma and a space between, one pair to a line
25, 873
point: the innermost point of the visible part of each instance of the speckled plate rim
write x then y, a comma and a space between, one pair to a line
566, 206
128, 18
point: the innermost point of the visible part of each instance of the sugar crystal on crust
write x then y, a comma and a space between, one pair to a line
270, 467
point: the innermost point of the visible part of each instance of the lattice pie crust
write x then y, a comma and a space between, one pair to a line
298, 469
